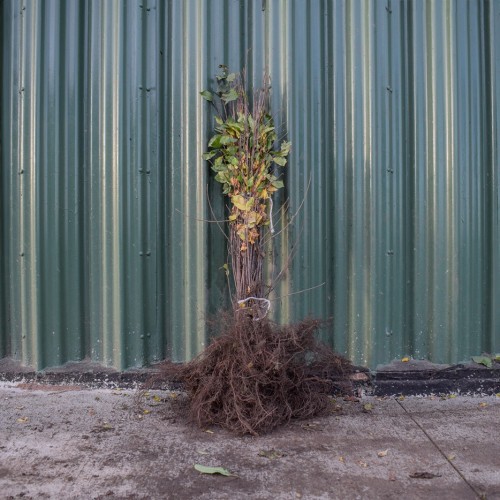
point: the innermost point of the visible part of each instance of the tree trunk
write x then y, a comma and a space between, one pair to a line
246, 266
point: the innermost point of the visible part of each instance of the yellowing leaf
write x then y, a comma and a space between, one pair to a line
240, 202
368, 407
451, 457
156, 398
146, 412
342, 460
212, 470
483, 405
405, 359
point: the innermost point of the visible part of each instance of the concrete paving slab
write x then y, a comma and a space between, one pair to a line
63, 442
466, 430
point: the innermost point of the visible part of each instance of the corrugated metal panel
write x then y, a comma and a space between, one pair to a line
393, 111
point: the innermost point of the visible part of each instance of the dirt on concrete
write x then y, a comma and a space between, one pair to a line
72, 442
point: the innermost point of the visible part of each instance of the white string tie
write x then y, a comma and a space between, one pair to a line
266, 301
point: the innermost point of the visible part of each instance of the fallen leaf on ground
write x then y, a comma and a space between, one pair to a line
451, 457
311, 427
202, 452
22, 420
382, 453
208, 431
146, 412
156, 398
352, 399
483, 405
367, 407
271, 454
483, 360
424, 475
212, 470
362, 464
105, 426
401, 398
342, 460
405, 359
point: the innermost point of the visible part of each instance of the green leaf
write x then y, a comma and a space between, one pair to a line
215, 141
212, 470
232, 95
226, 139
285, 148
497, 356
280, 161
483, 360
231, 77
209, 155
207, 95
278, 184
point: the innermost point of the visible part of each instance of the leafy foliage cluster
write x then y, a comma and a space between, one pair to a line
242, 153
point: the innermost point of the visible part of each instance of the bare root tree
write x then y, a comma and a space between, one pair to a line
255, 375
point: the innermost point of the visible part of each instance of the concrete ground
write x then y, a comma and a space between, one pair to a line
71, 442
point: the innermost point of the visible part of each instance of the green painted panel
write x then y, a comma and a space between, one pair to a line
393, 186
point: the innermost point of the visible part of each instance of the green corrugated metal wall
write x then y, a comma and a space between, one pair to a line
393, 108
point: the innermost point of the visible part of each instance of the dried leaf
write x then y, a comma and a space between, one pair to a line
208, 431
271, 454
342, 460
22, 420
146, 412
382, 453
405, 359
482, 405
202, 452
212, 470
352, 399
368, 407
424, 475
362, 464
451, 457
156, 398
